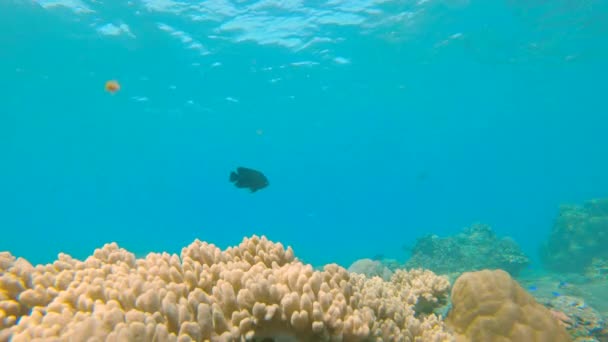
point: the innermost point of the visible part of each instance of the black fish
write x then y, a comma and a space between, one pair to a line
248, 178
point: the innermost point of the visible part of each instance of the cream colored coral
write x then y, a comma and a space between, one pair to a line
491, 306
257, 289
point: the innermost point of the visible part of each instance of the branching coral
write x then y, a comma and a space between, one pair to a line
252, 291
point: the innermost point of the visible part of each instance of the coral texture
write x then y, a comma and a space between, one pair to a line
254, 291
477, 247
490, 306
370, 268
582, 321
578, 238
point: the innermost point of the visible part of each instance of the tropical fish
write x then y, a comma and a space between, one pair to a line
248, 178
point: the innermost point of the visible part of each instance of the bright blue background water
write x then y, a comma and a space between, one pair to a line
484, 111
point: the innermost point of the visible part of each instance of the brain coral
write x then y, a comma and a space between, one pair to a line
490, 306
255, 291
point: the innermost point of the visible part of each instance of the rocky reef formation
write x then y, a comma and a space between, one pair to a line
476, 247
577, 243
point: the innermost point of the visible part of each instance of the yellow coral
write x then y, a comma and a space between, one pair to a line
491, 306
255, 290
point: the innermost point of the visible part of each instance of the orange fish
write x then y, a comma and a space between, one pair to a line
112, 86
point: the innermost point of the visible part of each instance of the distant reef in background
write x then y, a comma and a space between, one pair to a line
475, 248
578, 242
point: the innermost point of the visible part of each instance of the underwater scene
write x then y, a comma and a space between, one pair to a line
303, 170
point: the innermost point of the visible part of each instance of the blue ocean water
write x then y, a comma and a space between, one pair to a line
376, 122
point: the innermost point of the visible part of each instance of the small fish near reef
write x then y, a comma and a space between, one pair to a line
248, 178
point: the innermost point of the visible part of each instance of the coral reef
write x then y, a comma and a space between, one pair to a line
476, 248
582, 322
597, 269
579, 235
580, 304
491, 306
371, 268
257, 290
